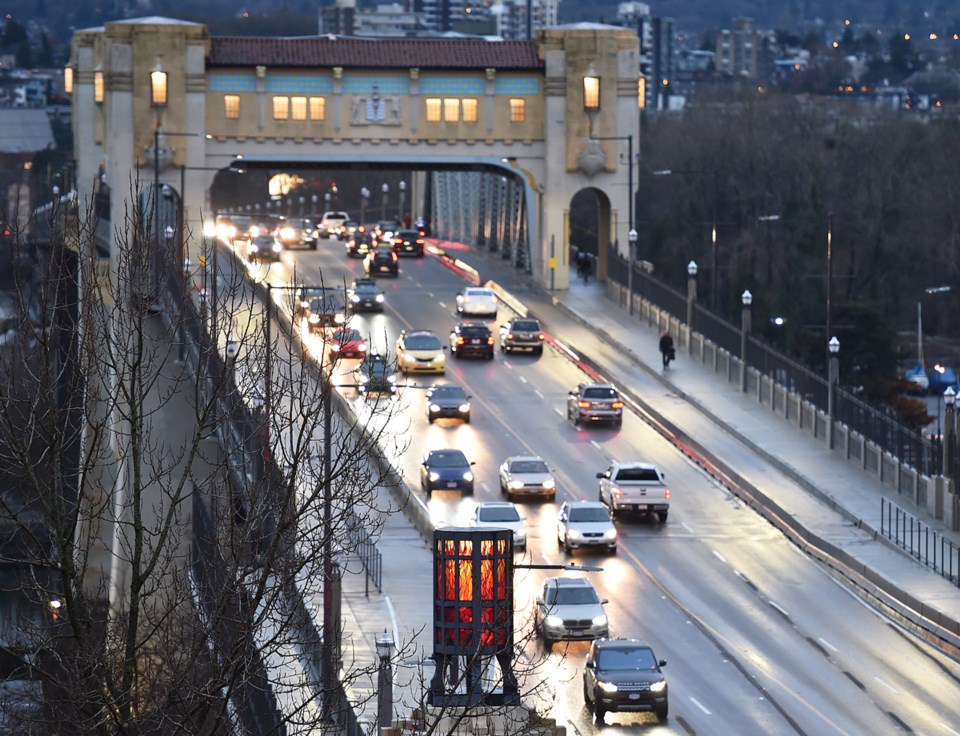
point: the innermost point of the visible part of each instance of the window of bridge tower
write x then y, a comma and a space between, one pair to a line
451, 110
298, 108
318, 108
231, 107
281, 108
518, 110
434, 107
470, 108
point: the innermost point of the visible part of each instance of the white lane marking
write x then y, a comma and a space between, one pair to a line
719, 556
887, 685
556, 409
779, 608
524, 380
546, 558
700, 705
429, 293
442, 305
483, 487
393, 617
827, 644
538, 393
596, 444
686, 526
946, 727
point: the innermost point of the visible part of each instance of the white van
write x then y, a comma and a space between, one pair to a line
331, 223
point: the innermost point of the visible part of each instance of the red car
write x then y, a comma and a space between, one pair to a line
348, 343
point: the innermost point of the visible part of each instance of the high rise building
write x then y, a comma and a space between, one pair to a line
507, 18
737, 49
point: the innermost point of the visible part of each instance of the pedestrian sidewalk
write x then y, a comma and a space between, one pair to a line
814, 491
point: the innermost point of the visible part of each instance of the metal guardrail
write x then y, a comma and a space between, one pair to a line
370, 557
921, 542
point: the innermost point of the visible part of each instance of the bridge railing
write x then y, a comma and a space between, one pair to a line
920, 541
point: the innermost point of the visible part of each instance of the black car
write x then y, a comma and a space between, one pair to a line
447, 401
409, 243
422, 226
264, 248
385, 230
381, 263
470, 338
446, 470
366, 296
326, 310
623, 675
349, 229
360, 244
375, 375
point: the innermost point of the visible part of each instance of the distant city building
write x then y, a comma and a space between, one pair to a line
737, 50
338, 19
512, 21
657, 52
394, 20
506, 18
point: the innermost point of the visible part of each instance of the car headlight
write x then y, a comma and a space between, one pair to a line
254, 248
408, 358
468, 476
354, 298
364, 378
553, 621
335, 348
338, 318
313, 319
658, 687
438, 358
607, 687
549, 483
380, 298
464, 408
574, 533
434, 476
393, 379
434, 408
514, 484
610, 534
520, 536
600, 620
277, 247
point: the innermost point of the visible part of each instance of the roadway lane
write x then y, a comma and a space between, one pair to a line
758, 638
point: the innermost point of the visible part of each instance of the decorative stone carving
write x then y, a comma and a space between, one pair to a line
375, 109
592, 159
163, 156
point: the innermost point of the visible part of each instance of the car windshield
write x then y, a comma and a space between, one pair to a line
479, 292
366, 286
377, 366
589, 513
474, 331
635, 474
498, 513
450, 459
599, 393
346, 336
529, 466
449, 392
386, 257
325, 304
579, 595
632, 658
526, 325
422, 342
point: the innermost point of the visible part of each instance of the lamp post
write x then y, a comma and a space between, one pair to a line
385, 681
632, 237
833, 377
691, 299
950, 430
745, 318
364, 199
385, 188
302, 200
402, 186
830, 279
313, 204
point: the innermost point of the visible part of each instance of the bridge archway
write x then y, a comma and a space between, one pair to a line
556, 115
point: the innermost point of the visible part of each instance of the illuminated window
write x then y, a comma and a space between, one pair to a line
68, 79
518, 110
158, 86
318, 108
451, 110
281, 108
469, 105
298, 108
231, 107
98, 86
434, 107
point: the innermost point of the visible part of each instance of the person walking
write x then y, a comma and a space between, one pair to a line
667, 351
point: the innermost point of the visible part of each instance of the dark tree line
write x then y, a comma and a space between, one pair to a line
773, 169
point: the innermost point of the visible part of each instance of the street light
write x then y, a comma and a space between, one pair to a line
745, 318
691, 299
950, 399
632, 237
364, 199
402, 186
833, 377
383, 208
385, 681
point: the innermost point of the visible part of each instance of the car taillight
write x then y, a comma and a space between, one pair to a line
583, 404
509, 335
617, 404
419, 241
490, 340
667, 493
460, 341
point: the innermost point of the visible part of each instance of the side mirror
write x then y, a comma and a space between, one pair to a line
571, 394
601, 475
474, 462
589, 664
662, 663
604, 602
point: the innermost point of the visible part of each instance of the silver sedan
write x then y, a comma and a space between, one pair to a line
526, 475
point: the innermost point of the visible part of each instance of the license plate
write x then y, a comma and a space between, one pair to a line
474, 342
634, 696
451, 484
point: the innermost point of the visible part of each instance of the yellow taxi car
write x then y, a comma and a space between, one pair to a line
420, 351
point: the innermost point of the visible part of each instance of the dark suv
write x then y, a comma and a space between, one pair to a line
375, 375
381, 263
623, 675
469, 338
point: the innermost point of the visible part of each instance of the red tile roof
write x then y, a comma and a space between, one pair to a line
402, 53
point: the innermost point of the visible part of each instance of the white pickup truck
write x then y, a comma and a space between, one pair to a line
635, 487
